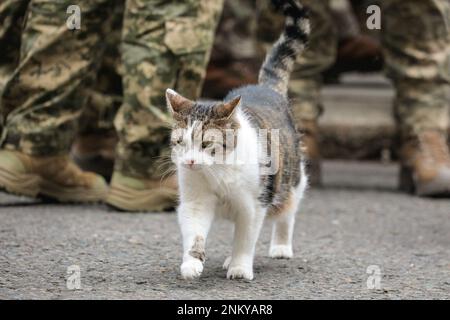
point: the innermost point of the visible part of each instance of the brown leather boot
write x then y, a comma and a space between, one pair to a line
310, 141
95, 152
53, 177
359, 53
425, 164
142, 195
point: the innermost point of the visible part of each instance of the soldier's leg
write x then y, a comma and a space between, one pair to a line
194, 62
105, 97
306, 81
165, 45
41, 102
416, 39
11, 19
41, 99
96, 139
235, 65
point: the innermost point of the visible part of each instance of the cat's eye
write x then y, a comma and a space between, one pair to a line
178, 141
206, 144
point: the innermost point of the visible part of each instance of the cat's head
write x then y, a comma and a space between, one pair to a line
204, 134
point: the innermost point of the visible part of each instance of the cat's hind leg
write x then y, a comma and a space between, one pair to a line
283, 230
284, 220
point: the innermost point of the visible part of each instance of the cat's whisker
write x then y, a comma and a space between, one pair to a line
167, 173
160, 156
163, 164
163, 161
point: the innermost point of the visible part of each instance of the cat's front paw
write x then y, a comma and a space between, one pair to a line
191, 269
240, 272
280, 252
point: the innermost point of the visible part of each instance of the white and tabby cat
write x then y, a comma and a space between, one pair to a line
241, 190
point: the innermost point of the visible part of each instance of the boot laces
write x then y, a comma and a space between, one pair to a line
434, 146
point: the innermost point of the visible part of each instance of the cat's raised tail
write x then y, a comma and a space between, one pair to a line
277, 67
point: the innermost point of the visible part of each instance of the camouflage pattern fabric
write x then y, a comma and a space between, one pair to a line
416, 39
41, 101
306, 80
164, 44
269, 26
105, 98
11, 18
232, 66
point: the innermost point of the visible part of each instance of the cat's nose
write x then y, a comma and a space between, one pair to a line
190, 163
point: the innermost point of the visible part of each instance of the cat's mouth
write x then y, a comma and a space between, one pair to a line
193, 167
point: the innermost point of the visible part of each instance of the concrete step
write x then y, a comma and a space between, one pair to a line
357, 122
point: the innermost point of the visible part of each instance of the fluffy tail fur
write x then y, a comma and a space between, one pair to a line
277, 67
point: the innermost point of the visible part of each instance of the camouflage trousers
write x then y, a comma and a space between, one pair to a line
415, 36
163, 44
104, 98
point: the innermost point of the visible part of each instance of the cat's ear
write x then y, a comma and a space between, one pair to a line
226, 110
176, 102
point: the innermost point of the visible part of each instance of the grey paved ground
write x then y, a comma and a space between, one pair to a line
356, 221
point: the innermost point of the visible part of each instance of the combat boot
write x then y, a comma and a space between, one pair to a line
425, 164
310, 142
53, 177
359, 53
142, 195
95, 152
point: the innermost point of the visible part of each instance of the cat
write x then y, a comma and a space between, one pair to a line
217, 146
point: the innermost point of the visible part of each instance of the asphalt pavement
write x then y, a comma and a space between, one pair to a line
356, 238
